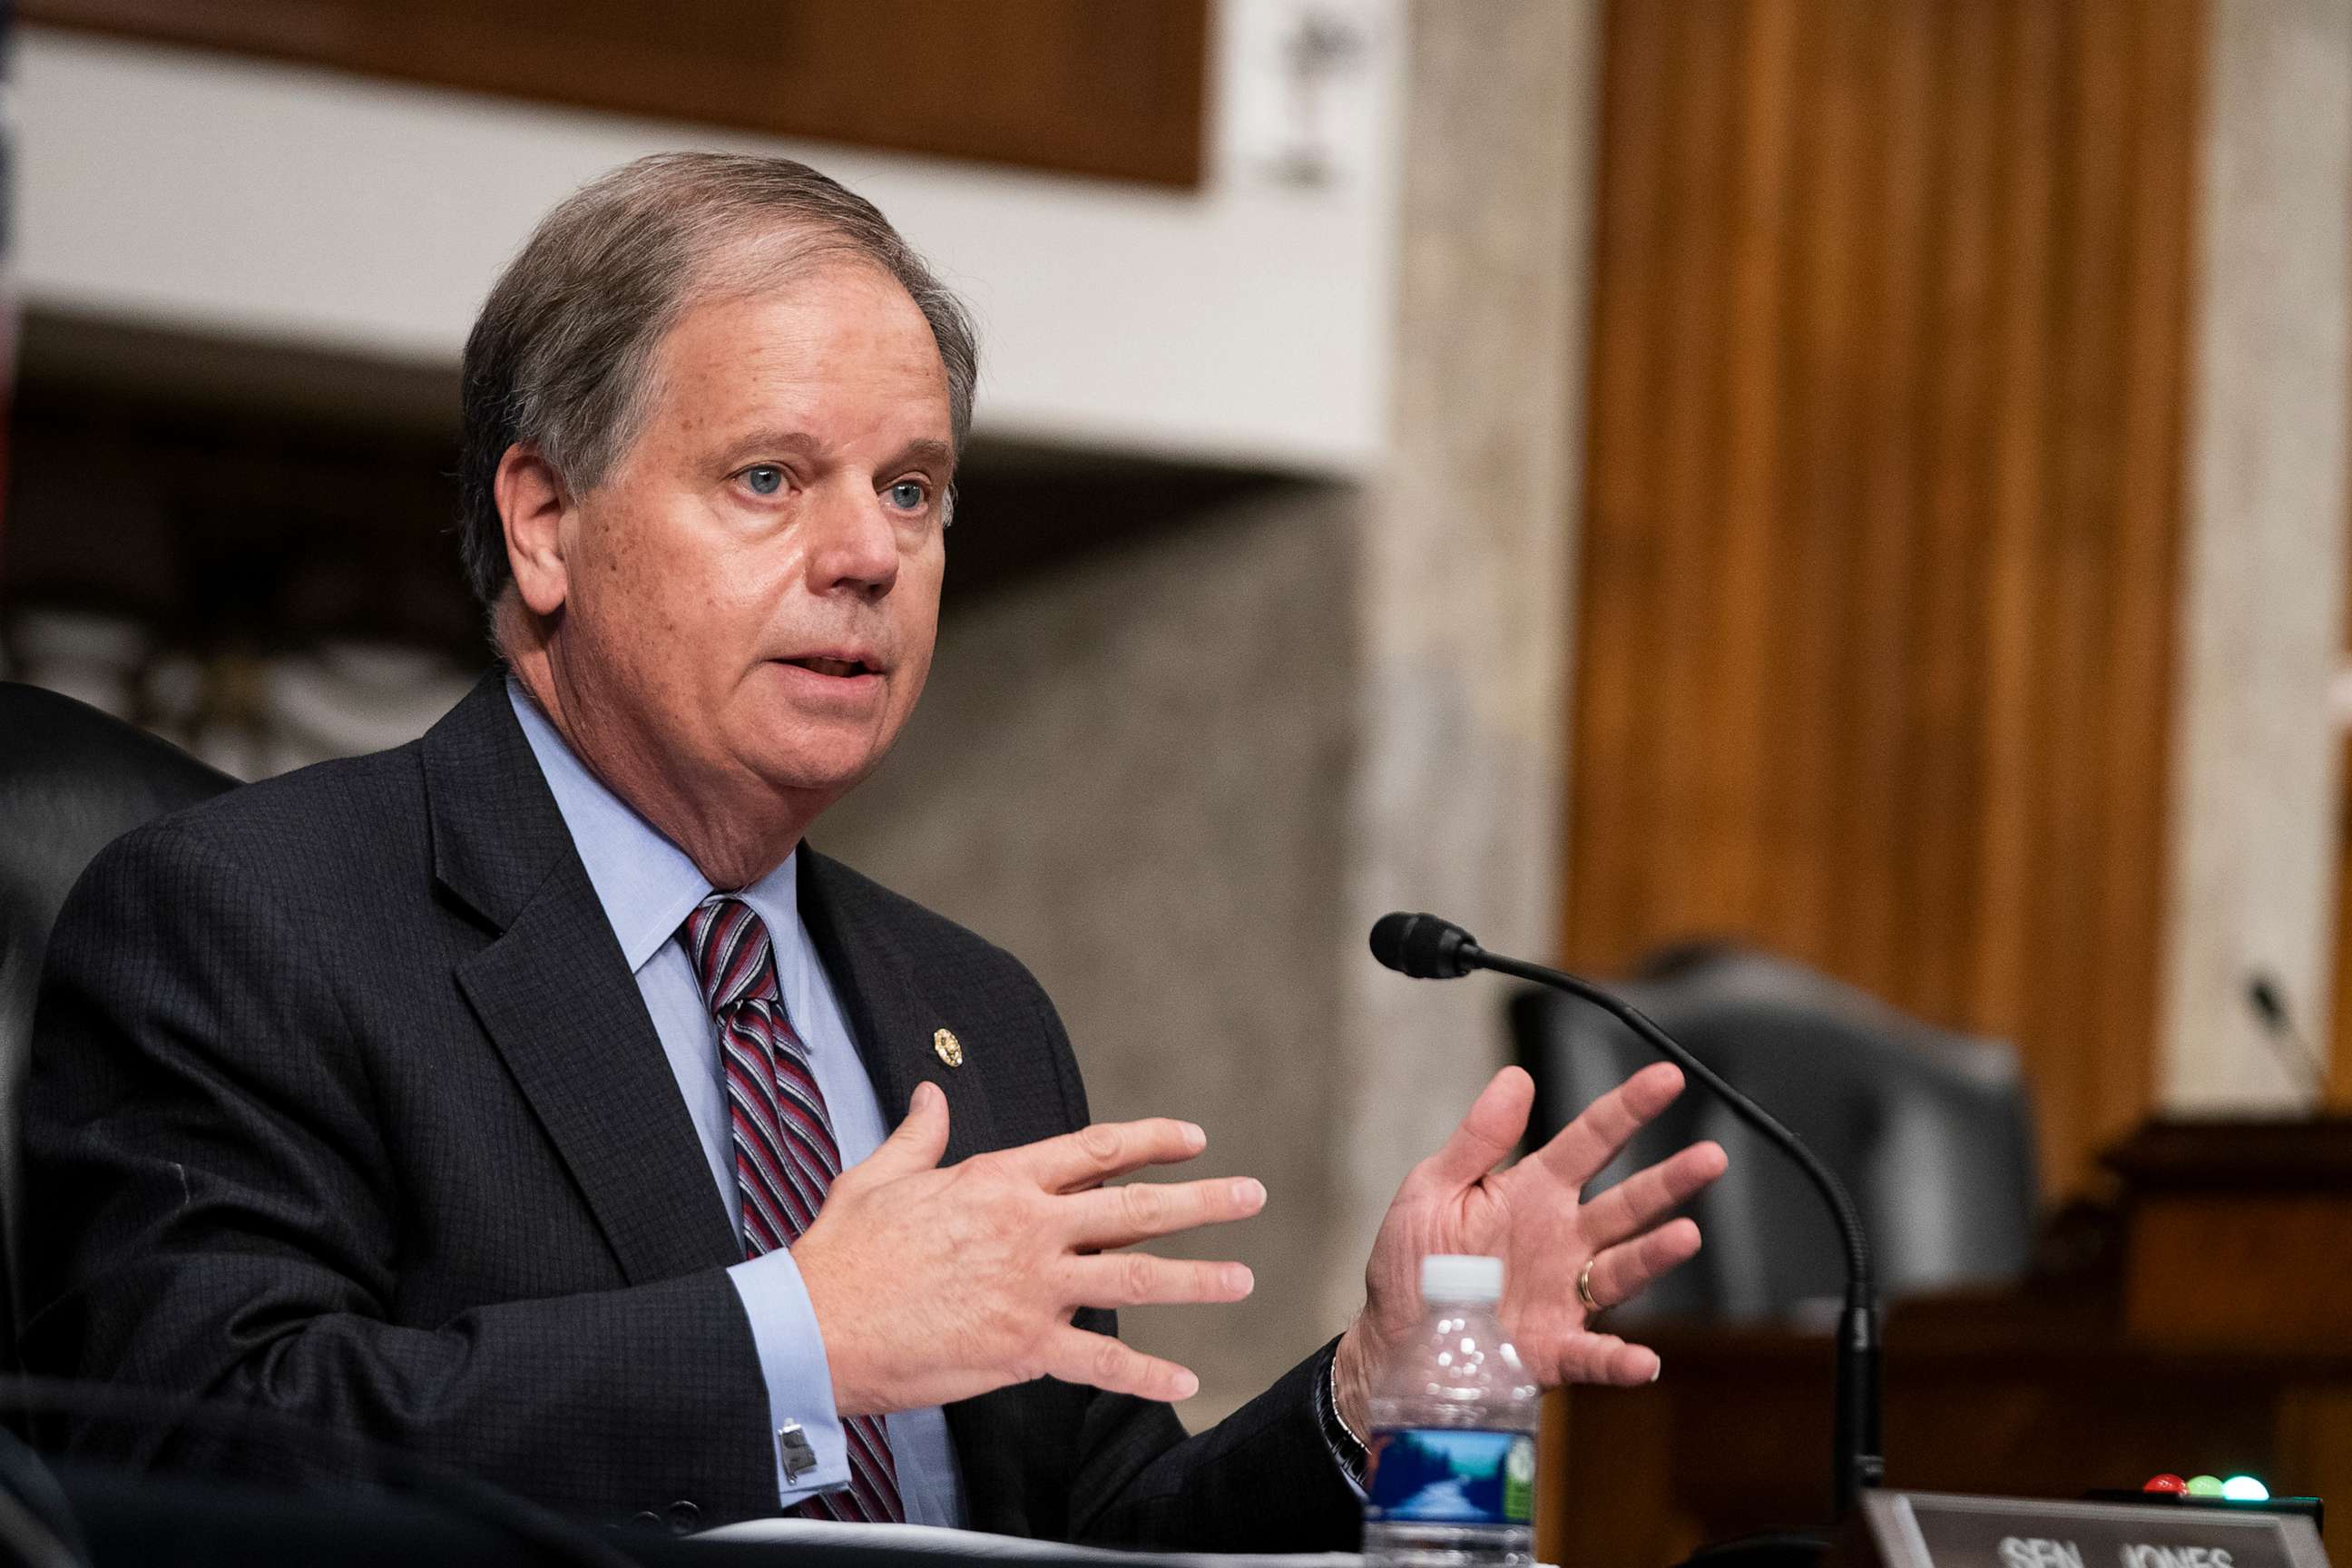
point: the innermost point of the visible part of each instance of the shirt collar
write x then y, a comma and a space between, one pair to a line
646, 883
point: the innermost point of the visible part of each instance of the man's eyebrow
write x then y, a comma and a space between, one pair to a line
777, 440
922, 452
925, 454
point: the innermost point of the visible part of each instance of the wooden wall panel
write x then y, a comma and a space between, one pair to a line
1115, 87
1883, 499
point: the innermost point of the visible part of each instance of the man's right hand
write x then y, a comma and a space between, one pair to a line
934, 1285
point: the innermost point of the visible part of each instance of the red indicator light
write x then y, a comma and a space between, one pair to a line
2168, 1482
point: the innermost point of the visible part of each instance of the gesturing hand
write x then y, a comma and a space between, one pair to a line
1533, 1217
933, 1285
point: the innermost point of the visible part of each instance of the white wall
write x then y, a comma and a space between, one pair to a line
2255, 774
1249, 321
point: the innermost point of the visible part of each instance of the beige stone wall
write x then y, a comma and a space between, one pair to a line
1465, 595
2254, 814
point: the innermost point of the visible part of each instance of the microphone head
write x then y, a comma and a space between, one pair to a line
1423, 946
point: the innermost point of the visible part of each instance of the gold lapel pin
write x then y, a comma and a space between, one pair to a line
947, 1048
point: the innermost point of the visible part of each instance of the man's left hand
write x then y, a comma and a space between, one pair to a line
1535, 1219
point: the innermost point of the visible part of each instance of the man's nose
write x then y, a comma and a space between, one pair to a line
856, 547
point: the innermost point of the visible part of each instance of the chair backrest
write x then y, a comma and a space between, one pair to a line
1931, 1132
72, 779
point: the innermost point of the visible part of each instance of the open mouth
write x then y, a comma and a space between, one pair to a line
839, 669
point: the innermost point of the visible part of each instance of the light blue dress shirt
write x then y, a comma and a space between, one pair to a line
648, 887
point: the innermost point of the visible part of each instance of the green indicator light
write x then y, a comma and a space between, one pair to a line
2245, 1489
2205, 1486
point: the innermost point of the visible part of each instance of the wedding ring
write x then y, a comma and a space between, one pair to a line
1584, 1288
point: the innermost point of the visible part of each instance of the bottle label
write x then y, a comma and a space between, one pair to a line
1448, 1474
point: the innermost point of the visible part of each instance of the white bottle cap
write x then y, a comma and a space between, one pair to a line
1452, 1277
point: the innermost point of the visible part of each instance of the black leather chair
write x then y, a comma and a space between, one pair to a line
71, 779
1931, 1132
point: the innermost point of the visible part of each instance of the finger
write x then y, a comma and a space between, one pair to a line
1650, 1195
919, 1140
1497, 1121
1606, 1360
1073, 1356
1121, 1216
1138, 1280
1602, 1128
1096, 1153
1622, 1272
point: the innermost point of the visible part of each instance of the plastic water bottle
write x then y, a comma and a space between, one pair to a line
1454, 1433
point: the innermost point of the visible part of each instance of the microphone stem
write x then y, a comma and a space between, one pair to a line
1856, 1455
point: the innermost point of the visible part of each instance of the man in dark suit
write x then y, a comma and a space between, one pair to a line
526, 1095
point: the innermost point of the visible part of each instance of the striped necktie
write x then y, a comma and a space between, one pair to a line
785, 1156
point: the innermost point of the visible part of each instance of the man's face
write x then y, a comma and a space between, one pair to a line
751, 598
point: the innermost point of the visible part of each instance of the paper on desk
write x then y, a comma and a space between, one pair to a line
976, 1544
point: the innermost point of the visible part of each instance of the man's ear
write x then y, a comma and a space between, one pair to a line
532, 505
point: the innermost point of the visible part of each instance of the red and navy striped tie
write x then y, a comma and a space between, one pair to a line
785, 1157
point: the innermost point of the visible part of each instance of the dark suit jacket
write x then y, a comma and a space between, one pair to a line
344, 1102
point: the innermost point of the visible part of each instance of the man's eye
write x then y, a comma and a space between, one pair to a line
908, 495
764, 478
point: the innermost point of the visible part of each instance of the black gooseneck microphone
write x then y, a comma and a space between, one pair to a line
1427, 947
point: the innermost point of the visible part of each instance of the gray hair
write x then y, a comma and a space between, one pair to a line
560, 357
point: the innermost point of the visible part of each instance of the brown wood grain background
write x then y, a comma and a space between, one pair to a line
1884, 491
1109, 87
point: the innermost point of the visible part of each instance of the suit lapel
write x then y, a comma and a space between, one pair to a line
894, 1018
557, 999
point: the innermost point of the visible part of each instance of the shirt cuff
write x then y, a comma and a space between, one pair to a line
812, 1450
1348, 1450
